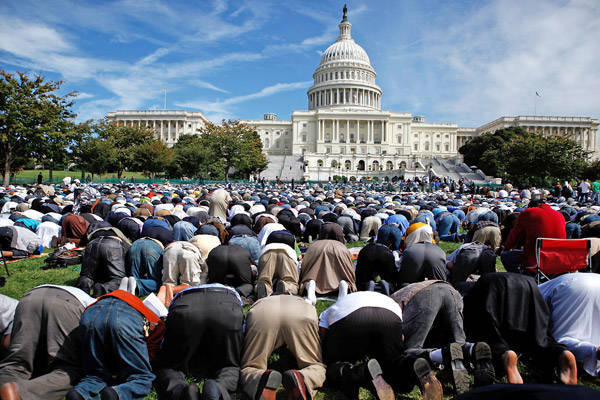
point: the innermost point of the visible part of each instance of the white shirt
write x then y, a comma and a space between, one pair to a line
352, 302
574, 302
8, 305
585, 187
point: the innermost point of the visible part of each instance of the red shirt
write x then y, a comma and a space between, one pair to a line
531, 224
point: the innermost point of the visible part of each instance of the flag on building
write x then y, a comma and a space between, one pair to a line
537, 94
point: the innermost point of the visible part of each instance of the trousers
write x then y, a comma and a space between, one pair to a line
114, 351
203, 339
434, 317
280, 320
43, 358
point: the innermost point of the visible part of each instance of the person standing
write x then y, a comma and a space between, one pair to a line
40, 178
584, 190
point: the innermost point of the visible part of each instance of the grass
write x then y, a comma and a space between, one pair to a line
26, 274
58, 175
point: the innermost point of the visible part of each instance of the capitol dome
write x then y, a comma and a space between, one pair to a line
344, 77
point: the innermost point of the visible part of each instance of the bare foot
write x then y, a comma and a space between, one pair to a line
511, 364
568, 368
9, 391
169, 295
162, 295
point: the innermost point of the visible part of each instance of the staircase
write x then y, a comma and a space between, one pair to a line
285, 167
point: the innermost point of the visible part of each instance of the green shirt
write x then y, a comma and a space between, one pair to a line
596, 186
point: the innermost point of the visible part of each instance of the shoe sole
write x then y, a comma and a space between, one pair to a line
269, 392
383, 389
484, 373
460, 376
295, 386
431, 388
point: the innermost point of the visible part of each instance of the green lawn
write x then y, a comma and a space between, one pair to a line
27, 274
58, 175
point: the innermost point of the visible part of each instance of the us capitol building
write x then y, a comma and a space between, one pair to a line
345, 132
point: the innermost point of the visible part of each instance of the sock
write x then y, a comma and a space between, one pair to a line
436, 356
124, 283
132, 285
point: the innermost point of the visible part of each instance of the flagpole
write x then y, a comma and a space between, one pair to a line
165, 107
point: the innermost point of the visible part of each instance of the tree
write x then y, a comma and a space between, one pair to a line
234, 145
29, 110
524, 157
123, 142
192, 158
153, 157
93, 155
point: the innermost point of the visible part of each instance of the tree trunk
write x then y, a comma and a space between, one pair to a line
7, 165
119, 174
50, 170
82, 175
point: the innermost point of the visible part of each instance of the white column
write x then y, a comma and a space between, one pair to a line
347, 131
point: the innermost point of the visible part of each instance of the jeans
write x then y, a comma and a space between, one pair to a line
448, 225
511, 259
573, 230
113, 351
145, 261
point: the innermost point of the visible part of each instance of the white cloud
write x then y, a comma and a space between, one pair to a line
84, 95
221, 109
490, 62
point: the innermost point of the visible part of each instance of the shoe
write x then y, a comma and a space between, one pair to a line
453, 360
74, 395
9, 391
280, 287
483, 369
54, 242
382, 388
293, 382
311, 295
210, 390
342, 290
261, 290
268, 385
109, 393
431, 388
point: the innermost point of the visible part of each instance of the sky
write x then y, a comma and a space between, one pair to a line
458, 61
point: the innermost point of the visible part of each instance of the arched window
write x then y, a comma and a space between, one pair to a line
426, 146
334, 164
319, 163
402, 165
399, 139
267, 143
361, 165
389, 165
375, 165
347, 164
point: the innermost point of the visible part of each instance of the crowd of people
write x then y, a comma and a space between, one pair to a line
207, 282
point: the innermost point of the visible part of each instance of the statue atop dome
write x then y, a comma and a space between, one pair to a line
345, 10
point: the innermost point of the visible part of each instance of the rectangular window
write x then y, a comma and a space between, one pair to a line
447, 147
416, 146
399, 139
304, 125
304, 138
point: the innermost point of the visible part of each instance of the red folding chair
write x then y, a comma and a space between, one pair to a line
559, 256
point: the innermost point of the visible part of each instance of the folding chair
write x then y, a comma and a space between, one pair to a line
559, 256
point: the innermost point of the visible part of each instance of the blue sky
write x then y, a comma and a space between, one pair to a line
460, 61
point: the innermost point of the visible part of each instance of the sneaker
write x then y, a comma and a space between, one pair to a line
453, 360
431, 388
293, 382
343, 289
74, 395
483, 369
311, 295
261, 290
382, 388
268, 385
